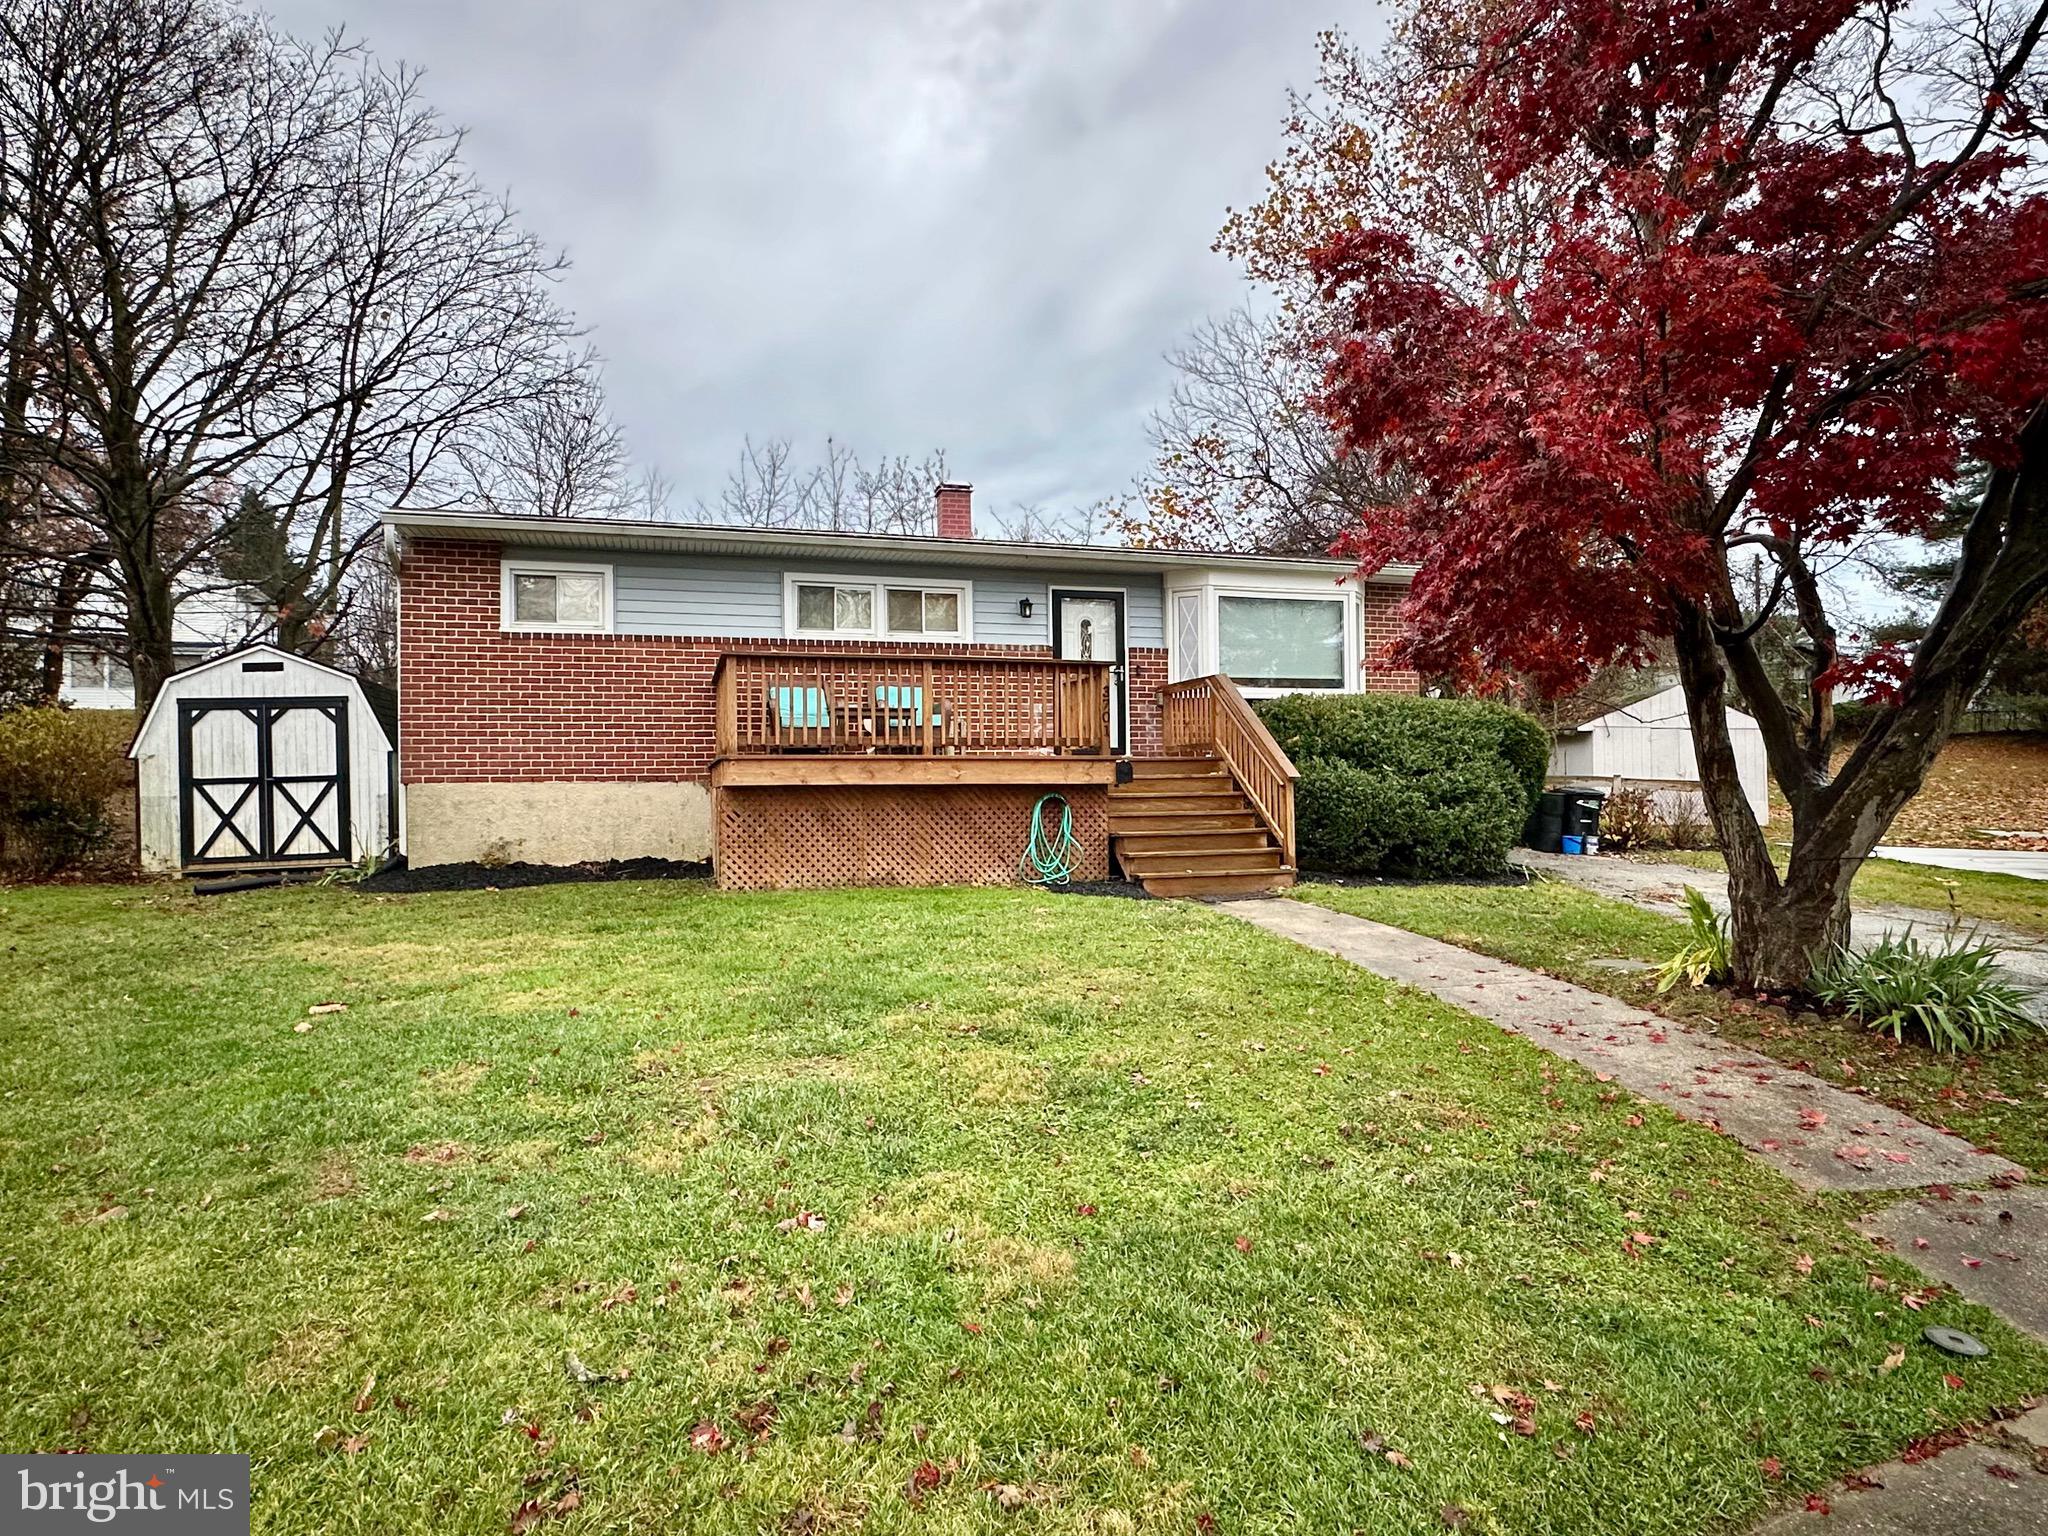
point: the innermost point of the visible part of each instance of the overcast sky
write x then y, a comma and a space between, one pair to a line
972, 225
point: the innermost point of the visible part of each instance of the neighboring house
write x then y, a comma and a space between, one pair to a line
204, 624
1647, 744
813, 708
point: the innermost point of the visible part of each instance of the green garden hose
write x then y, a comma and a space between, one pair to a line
1050, 860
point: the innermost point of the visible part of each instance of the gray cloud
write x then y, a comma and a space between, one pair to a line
912, 224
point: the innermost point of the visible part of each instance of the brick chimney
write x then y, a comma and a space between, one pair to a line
956, 511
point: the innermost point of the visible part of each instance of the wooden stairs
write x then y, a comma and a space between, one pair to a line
1181, 827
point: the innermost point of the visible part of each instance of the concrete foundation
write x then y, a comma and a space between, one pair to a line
556, 823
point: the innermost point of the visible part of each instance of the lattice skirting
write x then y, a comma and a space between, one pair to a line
774, 838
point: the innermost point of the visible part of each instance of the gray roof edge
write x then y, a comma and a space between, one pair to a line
609, 532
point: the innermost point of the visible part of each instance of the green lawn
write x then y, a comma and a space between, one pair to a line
1998, 1100
890, 1209
1978, 897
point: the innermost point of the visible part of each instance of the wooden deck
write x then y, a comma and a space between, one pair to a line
869, 706
817, 748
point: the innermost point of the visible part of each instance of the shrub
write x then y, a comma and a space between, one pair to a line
1704, 957
1685, 825
1629, 819
1403, 785
1951, 996
58, 767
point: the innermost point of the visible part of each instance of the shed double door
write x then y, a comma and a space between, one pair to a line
263, 782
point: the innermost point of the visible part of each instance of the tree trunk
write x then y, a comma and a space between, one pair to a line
72, 582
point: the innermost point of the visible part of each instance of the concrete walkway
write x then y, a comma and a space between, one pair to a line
1661, 888
1814, 1133
1987, 1486
1991, 861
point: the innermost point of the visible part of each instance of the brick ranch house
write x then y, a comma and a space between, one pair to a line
809, 708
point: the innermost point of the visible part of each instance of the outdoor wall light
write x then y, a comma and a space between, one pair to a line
1023, 607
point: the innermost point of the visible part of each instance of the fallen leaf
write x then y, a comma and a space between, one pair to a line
354, 1443
364, 1401
1894, 1360
708, 1438
1242, 1244
1008, 1496
1772, 1468
319, 1008
1816, 1505
514, 1212
1952, 1381
1804, 1264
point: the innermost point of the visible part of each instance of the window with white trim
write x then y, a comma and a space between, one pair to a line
1290, 643
550, 597
924, 611
96, 669
825, 608
848, 608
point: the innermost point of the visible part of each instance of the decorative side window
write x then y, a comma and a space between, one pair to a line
564, 599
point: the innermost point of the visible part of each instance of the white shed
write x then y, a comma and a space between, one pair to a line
1648, 744
260, 759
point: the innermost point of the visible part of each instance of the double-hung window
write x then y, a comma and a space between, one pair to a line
549, 597
850, 608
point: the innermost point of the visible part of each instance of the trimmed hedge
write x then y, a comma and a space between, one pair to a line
58, 767
1395, 784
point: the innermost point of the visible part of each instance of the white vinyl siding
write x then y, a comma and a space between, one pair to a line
741, 597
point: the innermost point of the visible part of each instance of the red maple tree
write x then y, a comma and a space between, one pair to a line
1641, 291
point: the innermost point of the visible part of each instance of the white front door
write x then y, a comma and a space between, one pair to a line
1089, 626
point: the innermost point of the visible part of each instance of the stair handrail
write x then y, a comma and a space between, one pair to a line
1208, 716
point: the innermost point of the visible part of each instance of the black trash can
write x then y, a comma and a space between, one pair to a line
1544, 830
1582, 809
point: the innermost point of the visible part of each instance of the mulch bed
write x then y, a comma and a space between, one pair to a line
401, 879
1127, 888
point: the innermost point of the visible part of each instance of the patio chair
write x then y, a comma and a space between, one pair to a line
801, 710
903, 705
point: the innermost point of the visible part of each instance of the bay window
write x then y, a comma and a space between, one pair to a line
1282, 643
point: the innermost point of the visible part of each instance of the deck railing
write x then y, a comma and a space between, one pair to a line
928, 706
1206, 716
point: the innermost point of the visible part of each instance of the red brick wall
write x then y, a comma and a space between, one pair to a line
1383, 627
1144, 676
479, 705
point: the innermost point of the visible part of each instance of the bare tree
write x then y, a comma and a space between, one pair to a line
770, 488
244, 264
1242, 459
